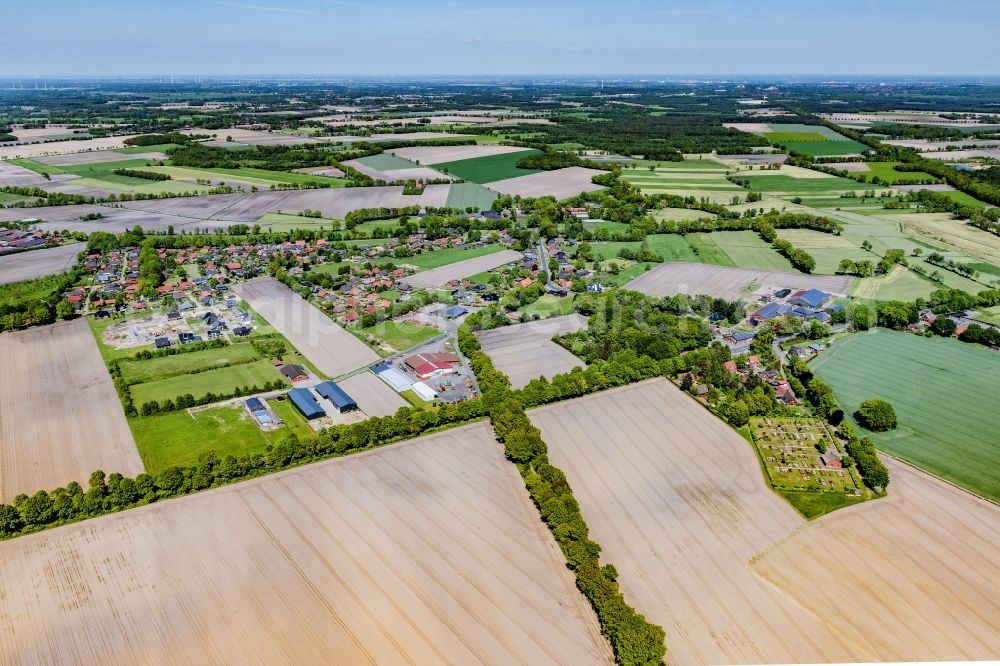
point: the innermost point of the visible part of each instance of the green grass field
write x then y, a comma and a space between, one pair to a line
944, 394
386, 162
261, 178
29, 290
707, 250
179, 438
746, 250
287, 222
490, 168
463, 195
888, 175
221, 381
550, 306
156, 148
37, 167
105, 171
401, 335
165, 367
438, 258
781, 137
672, 247
821, 148
792, 186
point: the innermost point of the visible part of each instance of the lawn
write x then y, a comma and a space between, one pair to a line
165, 367
438, 258
944, 395
179, 438
490, 168
221, 382
401, 335
550, 306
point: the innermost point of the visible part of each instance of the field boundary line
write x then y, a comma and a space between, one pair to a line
939, 478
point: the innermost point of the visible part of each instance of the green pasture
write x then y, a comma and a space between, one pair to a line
944, 394
401, 335
438, 258
222, 381
490, 168
165, 367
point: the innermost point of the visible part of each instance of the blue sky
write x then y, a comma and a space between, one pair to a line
459, 37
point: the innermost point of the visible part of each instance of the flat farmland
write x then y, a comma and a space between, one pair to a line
465, 195
36, 263
437, 277
373, 396
490, 168
390, 168
220, 381
944, 395
98, 157
955, 234
561, 183
61, 147
332, 203
913, 576
330, 348
61, 417
745, 249
15, 175
827, 249
525, 351
727, 282
424, 552
679, 504
442, 154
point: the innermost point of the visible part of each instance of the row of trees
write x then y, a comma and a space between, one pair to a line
633, 638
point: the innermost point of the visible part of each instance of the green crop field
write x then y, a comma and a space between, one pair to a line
746, 250
944, 393
781, 137
105, 171
165, 367
156, 148
179, 438
288, 222
672, 247
401, 335
386, 162
490, 168
221, 381
821, 148
888, 175
708, 250
464, 195
37, 167
438, 258
792, 186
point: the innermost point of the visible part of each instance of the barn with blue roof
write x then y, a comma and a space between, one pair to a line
810, 298
337, 395
306, 404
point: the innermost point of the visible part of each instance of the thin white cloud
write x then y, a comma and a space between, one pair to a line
265, 8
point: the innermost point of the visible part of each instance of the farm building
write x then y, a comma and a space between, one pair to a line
337, 395
809, 298
305, 402
432, 364
454, 312
424, 392
294, 372
258, 411
393, 377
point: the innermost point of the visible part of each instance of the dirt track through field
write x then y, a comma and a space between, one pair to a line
423, 552
703, 547
36, 263
328, 346
726, 282
438, 277
60, 418
526, 351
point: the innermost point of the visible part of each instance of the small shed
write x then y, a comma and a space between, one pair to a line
424, 392
337, 395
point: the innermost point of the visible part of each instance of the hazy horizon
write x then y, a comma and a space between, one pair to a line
455, 38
